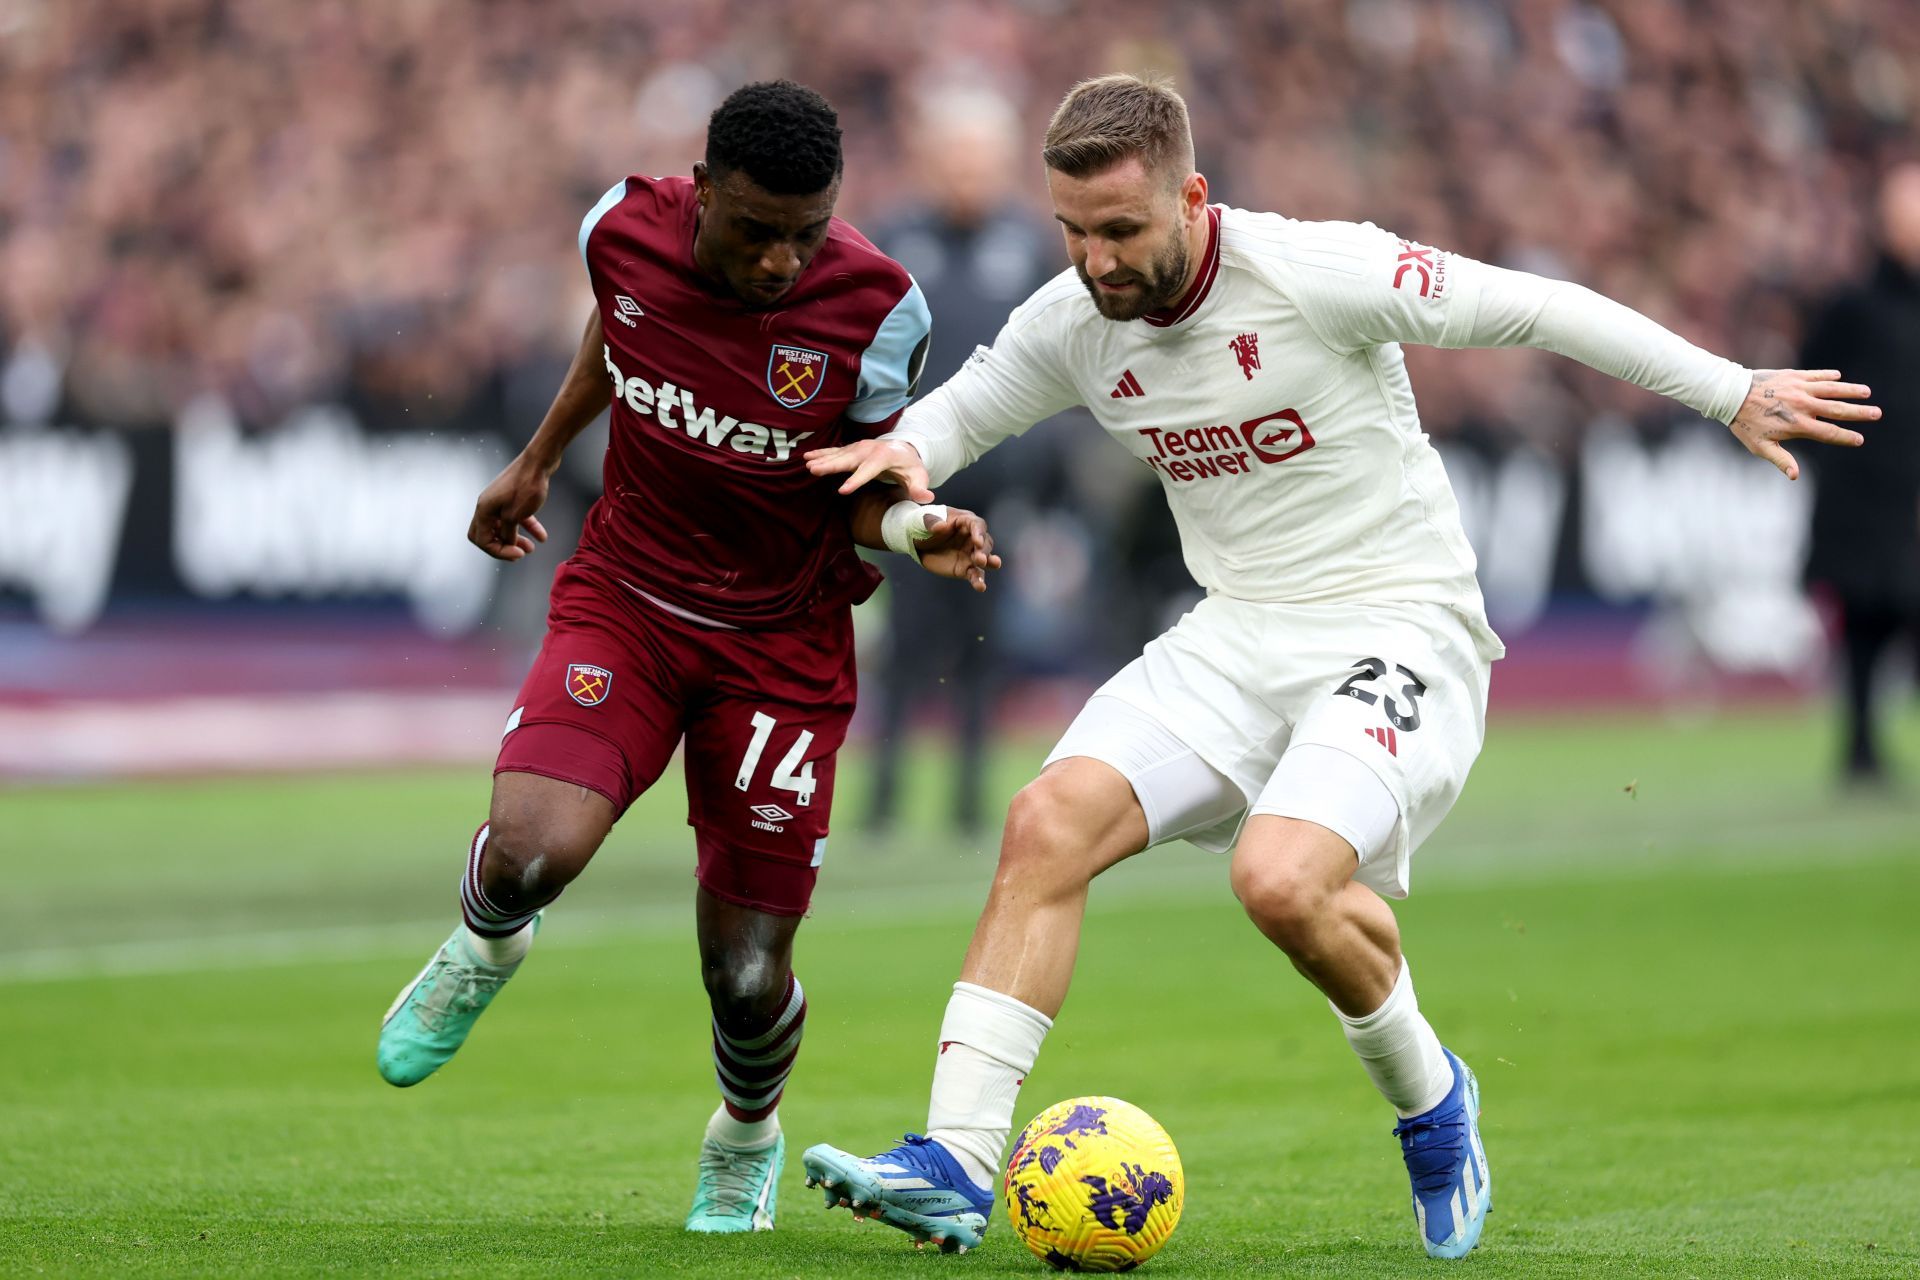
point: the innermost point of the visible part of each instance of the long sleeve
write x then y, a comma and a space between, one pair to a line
1000, 392
1360, 286
1521, 310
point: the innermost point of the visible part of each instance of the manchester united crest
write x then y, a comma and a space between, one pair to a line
794, 374
588, 685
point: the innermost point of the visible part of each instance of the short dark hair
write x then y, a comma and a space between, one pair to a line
1107, 119
782, 135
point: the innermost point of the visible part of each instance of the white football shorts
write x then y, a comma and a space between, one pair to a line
1363, 719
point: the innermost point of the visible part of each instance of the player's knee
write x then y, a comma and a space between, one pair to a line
744, 984
1285, 902
528, 861
1048, 837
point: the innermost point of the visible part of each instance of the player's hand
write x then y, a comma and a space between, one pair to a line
891, 460
1788, 404
503, 524
958, 547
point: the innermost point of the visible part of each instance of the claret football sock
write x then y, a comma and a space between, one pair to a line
1400, 1051
751, 1063
988, 1044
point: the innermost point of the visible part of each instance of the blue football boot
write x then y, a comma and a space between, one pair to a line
1451, 1186
917, 1186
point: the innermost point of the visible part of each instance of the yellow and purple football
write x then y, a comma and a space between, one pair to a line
1094, 1184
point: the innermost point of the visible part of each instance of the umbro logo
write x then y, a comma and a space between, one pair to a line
626, 309
768, 817
1129, 387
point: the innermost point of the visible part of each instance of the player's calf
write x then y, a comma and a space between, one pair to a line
743, 1150
751, 1062
1294, 879
759, 1016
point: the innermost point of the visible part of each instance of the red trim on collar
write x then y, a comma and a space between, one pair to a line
1197, 291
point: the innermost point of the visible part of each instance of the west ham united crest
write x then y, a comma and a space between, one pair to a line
588, 685
794, 374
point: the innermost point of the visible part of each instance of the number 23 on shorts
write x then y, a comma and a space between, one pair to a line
1402, 691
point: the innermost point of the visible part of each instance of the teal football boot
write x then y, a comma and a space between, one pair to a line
432, 1015
737, 1188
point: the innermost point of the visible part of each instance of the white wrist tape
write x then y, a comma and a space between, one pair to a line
905, 524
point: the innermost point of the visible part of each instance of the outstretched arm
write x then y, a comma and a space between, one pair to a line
503, 519
1360, 286
1762, 408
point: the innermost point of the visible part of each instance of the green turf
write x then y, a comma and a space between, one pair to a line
1688, 976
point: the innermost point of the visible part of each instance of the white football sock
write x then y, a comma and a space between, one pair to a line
499, 952
1400, 1051
743, 1135
988, 1044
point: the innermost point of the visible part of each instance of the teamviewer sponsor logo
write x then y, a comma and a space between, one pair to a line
1206, 453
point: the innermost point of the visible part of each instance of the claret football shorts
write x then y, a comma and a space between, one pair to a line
620, 682
1362, 718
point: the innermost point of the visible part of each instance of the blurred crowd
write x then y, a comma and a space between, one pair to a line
375, 202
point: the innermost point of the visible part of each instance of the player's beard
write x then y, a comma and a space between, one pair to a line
1160, 283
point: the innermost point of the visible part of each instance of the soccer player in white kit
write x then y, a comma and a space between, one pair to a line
1316, 714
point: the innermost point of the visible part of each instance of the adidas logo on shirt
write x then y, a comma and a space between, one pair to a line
1128, 387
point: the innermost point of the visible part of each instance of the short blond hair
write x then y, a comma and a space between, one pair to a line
1109, 118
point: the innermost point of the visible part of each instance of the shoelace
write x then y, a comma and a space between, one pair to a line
1432, 1146
730, 1178
917, 1153
463, 985
906, 1153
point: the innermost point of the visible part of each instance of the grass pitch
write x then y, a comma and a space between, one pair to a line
1687, 975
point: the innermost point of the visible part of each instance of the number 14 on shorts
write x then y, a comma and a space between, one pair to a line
795, 771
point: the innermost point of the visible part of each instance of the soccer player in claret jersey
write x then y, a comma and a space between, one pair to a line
1317, 712
738, 322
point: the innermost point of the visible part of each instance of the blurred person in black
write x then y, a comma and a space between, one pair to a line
975, 254
1866, 511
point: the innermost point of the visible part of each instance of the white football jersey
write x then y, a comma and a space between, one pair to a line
1274, 406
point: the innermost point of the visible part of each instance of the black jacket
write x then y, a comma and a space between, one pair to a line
1866, 509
